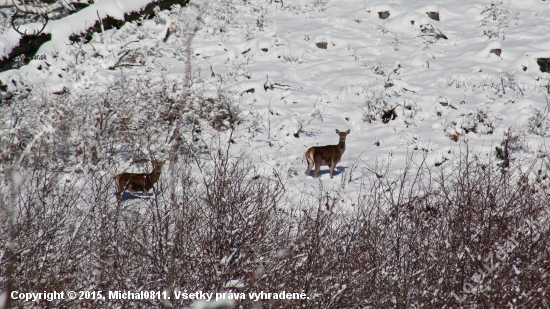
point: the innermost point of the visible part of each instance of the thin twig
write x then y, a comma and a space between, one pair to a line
119, 59
102, 28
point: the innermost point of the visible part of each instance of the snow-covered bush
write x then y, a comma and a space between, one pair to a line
496, 17
320, 5
458, 82
479, 122
410, 111
130, 119
378, 67
220, 15
512, 142
289, 58
539, 122
377, 107
429, 35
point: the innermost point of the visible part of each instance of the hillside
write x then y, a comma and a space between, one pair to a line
295, 73
237, 91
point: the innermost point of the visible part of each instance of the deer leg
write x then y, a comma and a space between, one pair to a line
310, 158
118, 195
146, 187
119, 189
317, 167
309, 166
121, 192
331, 166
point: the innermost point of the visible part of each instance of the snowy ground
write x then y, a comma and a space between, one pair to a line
316, 66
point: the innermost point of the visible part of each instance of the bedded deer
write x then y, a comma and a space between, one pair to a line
134, 182
326, 155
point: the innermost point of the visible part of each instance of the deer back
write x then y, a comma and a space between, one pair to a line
328, 153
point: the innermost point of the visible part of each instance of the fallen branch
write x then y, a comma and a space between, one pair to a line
119, 59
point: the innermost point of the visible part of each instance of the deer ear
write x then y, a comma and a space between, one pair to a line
347, 132
337, 131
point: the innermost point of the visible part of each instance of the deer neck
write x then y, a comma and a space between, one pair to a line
342, 146
155, 175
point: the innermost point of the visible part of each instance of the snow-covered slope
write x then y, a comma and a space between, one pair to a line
298, 71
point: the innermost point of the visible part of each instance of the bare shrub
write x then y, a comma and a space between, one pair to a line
423, 239
458, 82
293, 59
426, 238
377, 67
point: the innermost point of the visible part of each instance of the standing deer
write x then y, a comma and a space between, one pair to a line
326, 155
134, 182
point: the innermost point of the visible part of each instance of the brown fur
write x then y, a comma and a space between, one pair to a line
134, 182
326, 155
